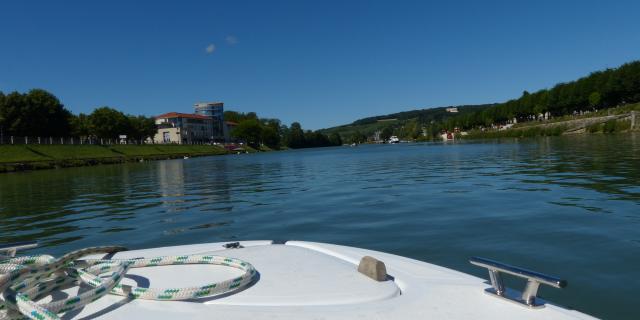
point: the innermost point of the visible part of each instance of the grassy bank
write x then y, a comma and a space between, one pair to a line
517, 133
28, 157
606, 121
600, 113
611, 126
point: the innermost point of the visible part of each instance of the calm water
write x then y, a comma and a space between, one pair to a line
566, 206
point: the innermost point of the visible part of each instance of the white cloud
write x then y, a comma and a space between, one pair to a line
210, 48
231, 40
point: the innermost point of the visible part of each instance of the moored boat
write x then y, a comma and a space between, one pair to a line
295, 280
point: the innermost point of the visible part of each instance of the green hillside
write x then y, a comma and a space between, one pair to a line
600, 90
406, 124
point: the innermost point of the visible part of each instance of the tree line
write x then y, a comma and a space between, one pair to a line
272, 133
38, 113
599, 90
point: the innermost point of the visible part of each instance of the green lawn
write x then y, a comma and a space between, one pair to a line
31, 153
11, 153
63, 152
133, 150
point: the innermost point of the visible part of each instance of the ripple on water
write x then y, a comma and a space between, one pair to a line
560, 204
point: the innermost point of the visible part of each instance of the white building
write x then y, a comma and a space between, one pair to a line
183, 128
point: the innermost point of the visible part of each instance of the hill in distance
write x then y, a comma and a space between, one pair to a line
599, 90
414, 119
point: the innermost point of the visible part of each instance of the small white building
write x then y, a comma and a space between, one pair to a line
452, 109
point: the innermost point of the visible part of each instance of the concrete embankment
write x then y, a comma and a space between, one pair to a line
606, 121
580, 125
31, 157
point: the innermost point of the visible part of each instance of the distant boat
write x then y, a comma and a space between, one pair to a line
185, 157
354, 144
394, 139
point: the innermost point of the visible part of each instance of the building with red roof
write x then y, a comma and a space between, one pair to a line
183, 128
206, 125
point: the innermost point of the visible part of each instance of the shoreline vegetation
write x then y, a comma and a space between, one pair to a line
27, 119
614, 120
597, 94
23, 157
606, 101
15, 158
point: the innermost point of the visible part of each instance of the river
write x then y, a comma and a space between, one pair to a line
568, 206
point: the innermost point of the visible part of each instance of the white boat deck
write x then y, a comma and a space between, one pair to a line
305, 280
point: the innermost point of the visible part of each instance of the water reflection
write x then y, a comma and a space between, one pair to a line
171, 178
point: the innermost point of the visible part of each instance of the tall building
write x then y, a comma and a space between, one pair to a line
215, 111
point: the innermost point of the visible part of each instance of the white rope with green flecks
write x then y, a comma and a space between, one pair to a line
25, 280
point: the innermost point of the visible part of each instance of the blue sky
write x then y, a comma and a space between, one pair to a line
322, 63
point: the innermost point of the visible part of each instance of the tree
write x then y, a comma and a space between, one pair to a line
249, 131
108, 123
358, 137
238, 117
315, 139
285, 134
46, 115
296, 137
2, 119
35, 113
81, 126
386, 133
141, 127
594, 99
270, 137
335, 139
271, 133
233, 116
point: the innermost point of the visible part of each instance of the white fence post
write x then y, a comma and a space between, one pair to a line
26, 140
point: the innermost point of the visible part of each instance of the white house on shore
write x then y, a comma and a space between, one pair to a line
183, 128
206, 125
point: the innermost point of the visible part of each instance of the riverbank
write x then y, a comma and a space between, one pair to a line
620, 119
34, 157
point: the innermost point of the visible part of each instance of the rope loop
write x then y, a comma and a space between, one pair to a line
25, 280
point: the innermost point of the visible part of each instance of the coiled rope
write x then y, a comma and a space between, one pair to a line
25, 280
